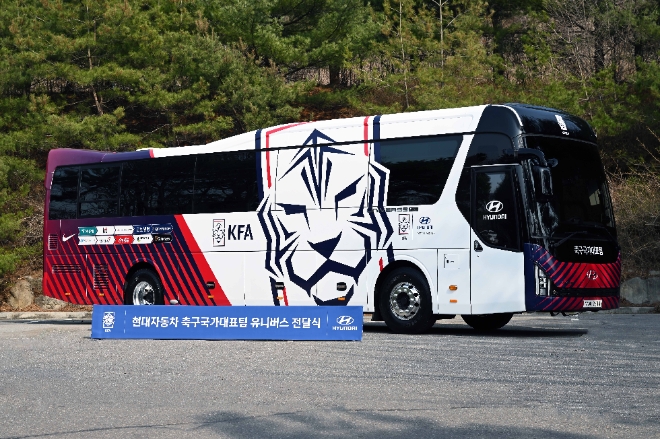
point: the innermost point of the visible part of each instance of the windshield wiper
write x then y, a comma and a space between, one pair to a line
579, 232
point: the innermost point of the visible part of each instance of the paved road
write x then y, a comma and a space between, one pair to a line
539, 377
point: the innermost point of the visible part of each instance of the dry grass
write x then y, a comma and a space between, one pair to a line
636, 200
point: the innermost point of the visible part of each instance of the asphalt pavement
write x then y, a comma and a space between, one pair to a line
592, 376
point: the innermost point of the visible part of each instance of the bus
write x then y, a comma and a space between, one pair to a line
481, 212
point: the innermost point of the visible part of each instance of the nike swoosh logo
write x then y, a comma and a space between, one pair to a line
66, 238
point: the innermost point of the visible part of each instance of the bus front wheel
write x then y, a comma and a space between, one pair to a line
144, 288
487, 322
405, 302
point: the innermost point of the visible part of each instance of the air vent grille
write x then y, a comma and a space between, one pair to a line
101, 277
66, 268
52, 241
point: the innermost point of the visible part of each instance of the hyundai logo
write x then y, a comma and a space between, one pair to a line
494, 206
425, 220
345, 320
592, 275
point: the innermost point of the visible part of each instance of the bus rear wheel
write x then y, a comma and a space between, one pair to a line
487, 322
405, 302
144, 288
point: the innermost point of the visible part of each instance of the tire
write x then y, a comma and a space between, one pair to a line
405, 302
144, 288
487, 322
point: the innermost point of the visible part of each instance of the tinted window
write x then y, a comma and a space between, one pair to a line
226, 182
64, 193
99, 191
495, 209
419, 167
161, 186
579, 183
485, 149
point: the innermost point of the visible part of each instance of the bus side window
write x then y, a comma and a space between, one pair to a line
495, 210
99, 191
161, 186
226, 182
419, 167
64, 193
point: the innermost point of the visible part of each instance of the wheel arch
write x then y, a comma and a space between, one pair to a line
138, 266
401, 262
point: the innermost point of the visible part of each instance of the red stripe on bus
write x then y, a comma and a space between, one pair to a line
200, 261
366, 135
268, 133
286, 299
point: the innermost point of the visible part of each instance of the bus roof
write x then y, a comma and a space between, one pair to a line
511, 119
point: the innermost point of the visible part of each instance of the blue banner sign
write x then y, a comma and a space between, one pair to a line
228, 322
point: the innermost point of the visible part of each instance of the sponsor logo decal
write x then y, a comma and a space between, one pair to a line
142, 230
123, 230
105, 240
218, 233
345, 324
105, 230
142, 239
161, 228
108, 321
86, 240
562, 124
239, 232
88, 231
123, 239
592, 275
425, 227
405, 220
124, 235
345, 320
162, 238
587, 250
494, 206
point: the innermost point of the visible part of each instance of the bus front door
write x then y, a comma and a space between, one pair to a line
496, 257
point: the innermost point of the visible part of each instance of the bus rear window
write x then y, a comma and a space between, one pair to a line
64, 193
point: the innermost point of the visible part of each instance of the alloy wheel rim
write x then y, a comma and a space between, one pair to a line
143, 294
405, 300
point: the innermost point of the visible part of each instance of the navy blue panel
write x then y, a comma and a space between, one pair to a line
120, 156
377, 138
327, 247
497, 119
260, 183
543, 120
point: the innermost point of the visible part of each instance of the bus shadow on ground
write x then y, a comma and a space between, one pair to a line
364, 423
506, 332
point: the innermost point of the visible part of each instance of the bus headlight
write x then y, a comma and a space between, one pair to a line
541, 282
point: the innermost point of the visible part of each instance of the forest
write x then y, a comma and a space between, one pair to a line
116, 75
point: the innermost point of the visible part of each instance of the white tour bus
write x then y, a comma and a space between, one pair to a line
480, 212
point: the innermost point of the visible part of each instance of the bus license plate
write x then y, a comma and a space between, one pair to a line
592, 304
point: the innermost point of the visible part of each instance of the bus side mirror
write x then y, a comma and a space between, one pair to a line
542, 181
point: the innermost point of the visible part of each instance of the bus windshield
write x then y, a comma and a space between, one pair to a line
581, 196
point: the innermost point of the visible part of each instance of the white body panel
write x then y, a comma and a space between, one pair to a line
497, 280
314, 228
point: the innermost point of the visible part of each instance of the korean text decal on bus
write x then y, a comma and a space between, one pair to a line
480, 212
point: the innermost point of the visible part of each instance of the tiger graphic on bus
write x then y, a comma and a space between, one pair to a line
332, 211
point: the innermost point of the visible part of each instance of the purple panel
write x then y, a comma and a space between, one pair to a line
64, 156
